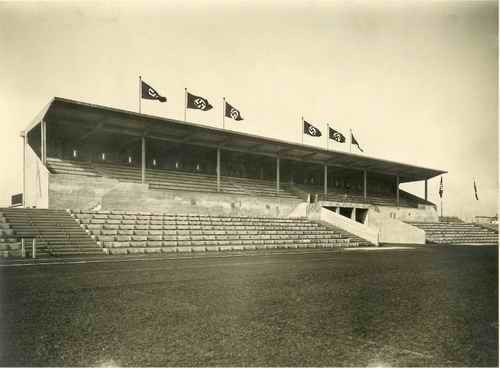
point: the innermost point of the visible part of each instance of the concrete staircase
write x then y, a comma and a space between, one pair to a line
55, 231
120, 232
457, 233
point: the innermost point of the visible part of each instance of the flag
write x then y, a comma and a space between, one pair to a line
475, 190
149, 93
441, 188
197, 102
336, 136
311, 130
355, 142
232, 113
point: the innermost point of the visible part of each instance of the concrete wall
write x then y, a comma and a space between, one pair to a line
424, 213
37, 181
79, 192
394, 231
318, 213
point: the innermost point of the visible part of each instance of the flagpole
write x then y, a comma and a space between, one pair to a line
302, 129
185, 103
223, 112
350, 142
327, 135
441, 207
140, 93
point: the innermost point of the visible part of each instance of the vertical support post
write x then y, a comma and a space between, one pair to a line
33, 248
218, 169
143, 159
364, 184
325, 180
337, 210
425, 189
23, 249
277, 175
43, 127
353, 214
397, 190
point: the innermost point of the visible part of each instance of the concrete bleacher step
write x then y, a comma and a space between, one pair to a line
161, 179
132, 233
457, 233
55, 231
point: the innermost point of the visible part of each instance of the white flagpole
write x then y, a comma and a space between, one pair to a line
185, 102
350, 142
140, 93
302, 129
223, 112
327, 135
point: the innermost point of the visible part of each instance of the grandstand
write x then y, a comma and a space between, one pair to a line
102, 180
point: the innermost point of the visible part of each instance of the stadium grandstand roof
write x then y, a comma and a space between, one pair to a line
74, 118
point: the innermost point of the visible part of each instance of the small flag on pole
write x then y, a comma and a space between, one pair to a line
441, 188
355, 142
149, 93
232, 112
311, 130
336, 136
197, 102
475, 190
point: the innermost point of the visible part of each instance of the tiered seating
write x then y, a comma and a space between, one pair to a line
122, 172
120, 232
492, 227
58, 166
10, 245
457, 233
377, 199
180, 180
55, 231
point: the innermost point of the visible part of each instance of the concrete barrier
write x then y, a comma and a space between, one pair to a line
393, 231
318, 213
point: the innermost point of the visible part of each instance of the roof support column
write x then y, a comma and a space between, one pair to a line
277, 175
43, 135
325, 181
143, 159
397, 190
364, 184
218, 169
425, 189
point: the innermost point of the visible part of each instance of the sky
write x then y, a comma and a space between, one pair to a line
416, 81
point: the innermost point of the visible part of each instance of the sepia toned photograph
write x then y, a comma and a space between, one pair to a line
249, 183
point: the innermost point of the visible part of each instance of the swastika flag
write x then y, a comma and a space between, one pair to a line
232, 113
149, 93
336, 136
197, 102
311, 130
355, 142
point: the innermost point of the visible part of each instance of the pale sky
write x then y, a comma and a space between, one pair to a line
416, 81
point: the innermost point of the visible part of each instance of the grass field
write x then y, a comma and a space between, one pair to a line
423, 306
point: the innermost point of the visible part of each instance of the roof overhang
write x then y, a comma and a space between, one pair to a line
95, 118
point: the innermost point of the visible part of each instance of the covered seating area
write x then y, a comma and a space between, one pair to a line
78, 138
